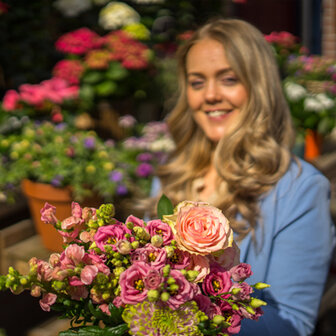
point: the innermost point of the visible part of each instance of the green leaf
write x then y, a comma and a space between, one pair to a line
106, 88
165, 207
116, 72
118, 330
93, 77
86, 92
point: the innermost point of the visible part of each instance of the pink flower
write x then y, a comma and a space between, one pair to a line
78, 292
200, 228
78, 42
132, 284
10, 100
157, 227
74, 254
70, 70
235, 321
88, 273
105, 309
245, 291
180, 259
217, 282
47, 300
227, 258
109, 235
241, 272
153, 279
117, 301
136, 221
185, 292
150, 254
71, 223
76, 210
48, 214
200, 264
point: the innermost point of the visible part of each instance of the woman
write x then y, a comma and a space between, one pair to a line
233, 134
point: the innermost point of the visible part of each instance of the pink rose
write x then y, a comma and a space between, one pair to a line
76, 210
48, 214
180, 259
245, 291
200, 228
47, 300
241, 272
235, 321
157, 227
150, 254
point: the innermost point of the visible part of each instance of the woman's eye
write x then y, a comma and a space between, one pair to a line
196, 84
230, 80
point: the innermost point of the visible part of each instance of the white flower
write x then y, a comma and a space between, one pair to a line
162, 145
313, 104
117, 14
327, 102
72, 8
295, 91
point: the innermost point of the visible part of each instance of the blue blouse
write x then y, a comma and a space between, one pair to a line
295, 239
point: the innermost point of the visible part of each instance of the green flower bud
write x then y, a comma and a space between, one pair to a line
141, 233
92, 224
218, 319
184, 272
23, 281
130, 225
106, 296
192, 275
135, 244
118, 263
261, 285
173, 288
58, 285
165, 296
157, 241
235, 307
153, 295
166, 270
255, 303
250, 310
117, 291
235, 291
170, 251
171, 281
118, 270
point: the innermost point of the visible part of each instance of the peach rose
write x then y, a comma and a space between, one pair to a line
200, 228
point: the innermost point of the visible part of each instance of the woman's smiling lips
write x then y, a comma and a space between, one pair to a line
218, 114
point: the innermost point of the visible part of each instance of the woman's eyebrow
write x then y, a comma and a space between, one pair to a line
200, 74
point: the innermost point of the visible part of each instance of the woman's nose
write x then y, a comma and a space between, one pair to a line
212, 92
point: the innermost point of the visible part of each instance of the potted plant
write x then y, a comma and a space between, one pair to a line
310, 89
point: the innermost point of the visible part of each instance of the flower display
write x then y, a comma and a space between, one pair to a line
314, 110
62, 156
120, 277
113, 65
50, 97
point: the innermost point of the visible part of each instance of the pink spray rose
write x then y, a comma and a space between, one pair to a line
217, 282
200, 264
153, 279
241, 272
135, 220
200, 228
150, 254
109, 235
132, 284
157, 227
10, 100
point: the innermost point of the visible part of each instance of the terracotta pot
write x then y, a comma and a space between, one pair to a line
40, 193
313, 145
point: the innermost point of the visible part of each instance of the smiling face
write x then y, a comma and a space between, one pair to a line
215, 94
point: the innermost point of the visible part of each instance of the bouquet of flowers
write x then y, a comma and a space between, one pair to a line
177, 275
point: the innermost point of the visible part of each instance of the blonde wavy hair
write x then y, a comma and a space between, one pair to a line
253, 156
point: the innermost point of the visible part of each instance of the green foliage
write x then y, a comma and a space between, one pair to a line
165, 207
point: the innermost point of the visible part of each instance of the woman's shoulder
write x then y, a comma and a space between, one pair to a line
301, 172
